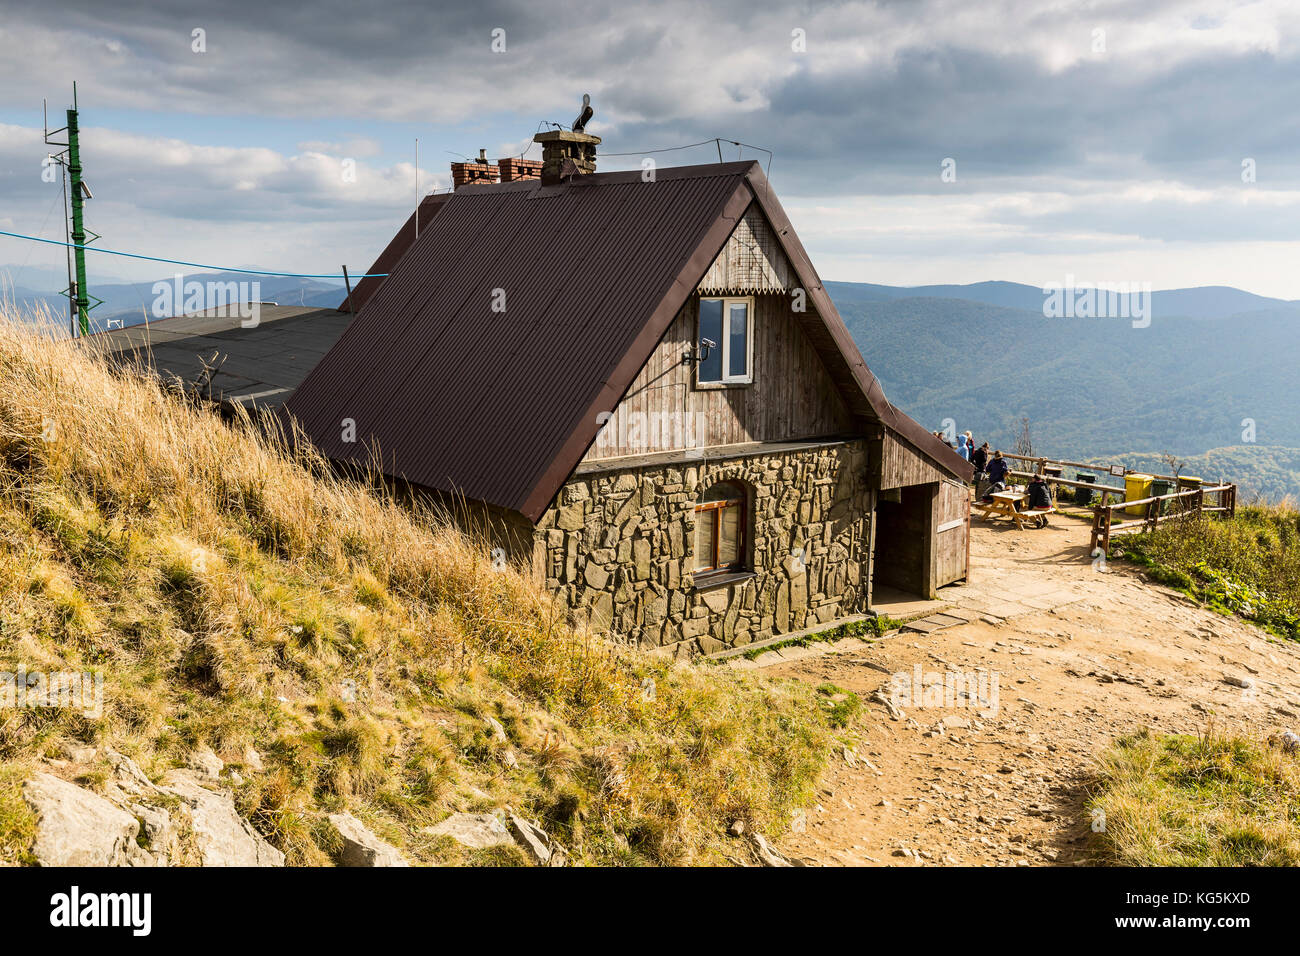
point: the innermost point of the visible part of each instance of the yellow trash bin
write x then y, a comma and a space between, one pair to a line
1137, 487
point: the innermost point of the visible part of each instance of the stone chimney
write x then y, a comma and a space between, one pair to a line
566, 153
471, 173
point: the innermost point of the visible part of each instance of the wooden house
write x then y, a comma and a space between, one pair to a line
640, 384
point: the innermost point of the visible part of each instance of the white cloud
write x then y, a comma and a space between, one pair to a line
236, 206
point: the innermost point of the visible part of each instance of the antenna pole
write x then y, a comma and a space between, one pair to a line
67, 259
78, 225
417, 187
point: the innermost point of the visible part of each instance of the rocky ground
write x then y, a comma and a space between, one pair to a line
1083, 652
187, 819
190, 819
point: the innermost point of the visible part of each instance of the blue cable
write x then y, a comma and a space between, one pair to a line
197, 265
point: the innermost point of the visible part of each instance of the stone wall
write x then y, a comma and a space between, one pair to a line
618, 546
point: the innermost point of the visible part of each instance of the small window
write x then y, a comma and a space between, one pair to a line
728, 324
720, 529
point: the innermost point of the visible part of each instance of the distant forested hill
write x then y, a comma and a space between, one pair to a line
1263, 471
1094, 387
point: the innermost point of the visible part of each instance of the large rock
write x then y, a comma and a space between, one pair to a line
360, 846
128, 779
474, 830
534, 841
767, 854
204, 761
75, 827
224, 838
161, 833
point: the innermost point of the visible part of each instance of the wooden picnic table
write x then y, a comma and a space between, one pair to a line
1011, 504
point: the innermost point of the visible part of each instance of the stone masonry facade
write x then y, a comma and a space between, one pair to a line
618, 546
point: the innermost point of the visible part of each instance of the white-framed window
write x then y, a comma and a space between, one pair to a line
729, 324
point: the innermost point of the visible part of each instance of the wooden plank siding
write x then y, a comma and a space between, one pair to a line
751, 261
897, 464
792, 395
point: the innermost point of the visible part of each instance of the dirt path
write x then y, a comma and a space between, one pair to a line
1080, 657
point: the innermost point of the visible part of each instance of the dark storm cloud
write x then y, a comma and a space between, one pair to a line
1056, 141
882, 120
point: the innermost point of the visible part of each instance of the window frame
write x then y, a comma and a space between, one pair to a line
712, 511
725, 345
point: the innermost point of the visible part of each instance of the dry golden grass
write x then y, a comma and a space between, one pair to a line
1211, 800
234, 593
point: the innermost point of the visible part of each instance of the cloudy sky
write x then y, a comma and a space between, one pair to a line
1104, 140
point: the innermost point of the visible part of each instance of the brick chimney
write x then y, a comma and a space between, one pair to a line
514, 169
473, 173
566, 153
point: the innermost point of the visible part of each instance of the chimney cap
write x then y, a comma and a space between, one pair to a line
566, 136
567, 152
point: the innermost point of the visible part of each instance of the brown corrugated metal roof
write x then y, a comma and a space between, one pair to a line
501, 405
393, 252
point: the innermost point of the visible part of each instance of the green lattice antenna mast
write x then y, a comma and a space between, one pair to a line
79, 192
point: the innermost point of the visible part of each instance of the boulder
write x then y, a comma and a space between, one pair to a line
206, 762
224, 838
360, 846
161, 832
540, 848
75, 827
127, 775
766, 853
474, 830
496, 730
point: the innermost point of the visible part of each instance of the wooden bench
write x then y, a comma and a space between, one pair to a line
1037, 515
1010, 504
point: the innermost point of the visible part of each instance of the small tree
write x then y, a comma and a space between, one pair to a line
1024, 442
1173, 463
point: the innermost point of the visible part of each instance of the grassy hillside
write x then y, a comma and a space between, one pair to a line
1216, 799
235, 595
1249, 566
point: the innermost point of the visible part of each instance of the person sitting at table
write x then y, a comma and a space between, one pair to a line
998, 469
1040, 496
997, 476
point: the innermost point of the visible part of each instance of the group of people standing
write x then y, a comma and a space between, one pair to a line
982, 457
991, 470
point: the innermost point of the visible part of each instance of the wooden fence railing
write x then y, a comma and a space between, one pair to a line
1160, 508
1203, 499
